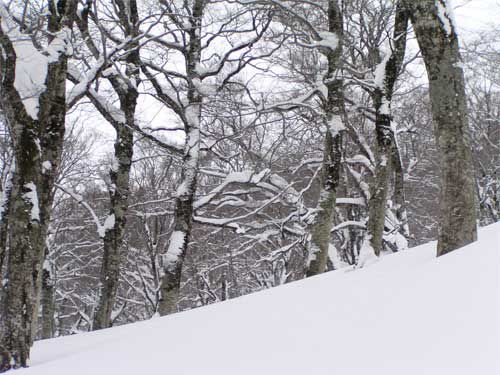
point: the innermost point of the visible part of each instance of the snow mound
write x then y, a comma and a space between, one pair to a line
409, 313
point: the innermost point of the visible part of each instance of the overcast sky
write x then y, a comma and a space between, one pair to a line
475, 15
471, 16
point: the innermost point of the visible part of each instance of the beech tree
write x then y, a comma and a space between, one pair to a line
124, 122
254, 143
436, 33
387, 147
206, 72
34, 102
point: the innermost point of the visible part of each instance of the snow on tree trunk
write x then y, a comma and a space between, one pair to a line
185, 195
179, 240
37, 124
386, 75
436, 33
334, 110
114, 226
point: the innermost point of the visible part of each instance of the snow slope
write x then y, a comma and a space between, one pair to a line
407, 314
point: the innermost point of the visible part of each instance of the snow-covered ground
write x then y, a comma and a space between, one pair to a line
410, 313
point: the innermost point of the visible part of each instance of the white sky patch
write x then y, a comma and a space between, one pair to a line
32, 197
473, 16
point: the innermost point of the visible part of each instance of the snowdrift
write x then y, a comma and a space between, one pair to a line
410, 313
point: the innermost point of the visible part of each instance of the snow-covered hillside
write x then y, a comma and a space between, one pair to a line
410, 313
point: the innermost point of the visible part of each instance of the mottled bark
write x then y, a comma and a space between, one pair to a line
18, 304
179, 240
36, 141
438, 42
399, 189
113, 237
47, 302
120, 172
4, 225
334, 111
385, 135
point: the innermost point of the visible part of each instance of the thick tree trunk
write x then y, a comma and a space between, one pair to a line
386, 138
438, 41
37, 143
334, 110
19, 303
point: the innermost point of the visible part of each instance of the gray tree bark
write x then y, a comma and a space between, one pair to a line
332, 154
126, 88
399, 189
386, 139
438, 41
4, 225
179, 240
47, 301
35, 141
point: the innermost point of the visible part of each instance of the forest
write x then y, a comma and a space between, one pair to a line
161, 155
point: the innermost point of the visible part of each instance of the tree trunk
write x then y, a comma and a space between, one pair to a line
183, 215
115, 225
4, 225
399, 189
126, 88
389, 70
47, 301
334, 110
21, 270
37, 143
179, 240
438, 41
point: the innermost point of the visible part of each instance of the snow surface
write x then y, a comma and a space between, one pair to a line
409, 313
